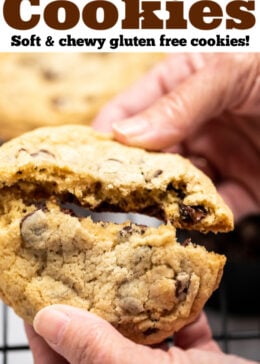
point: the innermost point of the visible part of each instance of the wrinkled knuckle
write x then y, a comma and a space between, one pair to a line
176, 107
239, 71
246, 81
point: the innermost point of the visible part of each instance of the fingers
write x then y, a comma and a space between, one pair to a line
197, 335
41, 351
169, 120
243, 206
199, 98
82, 337
160, 80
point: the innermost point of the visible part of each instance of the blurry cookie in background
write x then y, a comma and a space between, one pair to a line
40, 89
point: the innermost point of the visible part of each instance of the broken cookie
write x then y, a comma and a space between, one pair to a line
78, 164
138, 278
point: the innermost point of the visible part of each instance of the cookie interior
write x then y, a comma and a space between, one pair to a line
138, 278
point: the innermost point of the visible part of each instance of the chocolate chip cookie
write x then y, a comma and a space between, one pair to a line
138, 278
74, 162
41, 89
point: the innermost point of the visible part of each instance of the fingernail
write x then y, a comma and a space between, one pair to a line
50, 323
131, 127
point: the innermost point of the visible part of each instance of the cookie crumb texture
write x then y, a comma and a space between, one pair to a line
39, 89
138, 278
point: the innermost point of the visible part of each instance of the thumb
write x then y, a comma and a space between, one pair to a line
83, 338
202, 96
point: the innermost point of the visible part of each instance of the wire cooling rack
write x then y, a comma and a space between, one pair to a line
7, 349
244, 338
235, 301
227, 338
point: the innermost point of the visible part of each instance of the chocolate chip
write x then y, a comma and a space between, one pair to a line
97, 187
20, 150
50, 74
141, 228
150, 331
114, 160
42, 152
157, 173
192, 214
148, 176
179, 192
126, 231
132, 229
59, 102
34, 230
182, 285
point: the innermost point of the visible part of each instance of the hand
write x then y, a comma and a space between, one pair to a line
204, 106
71, 335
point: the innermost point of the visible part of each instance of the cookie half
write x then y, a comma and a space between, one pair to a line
136, 277
78, 164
